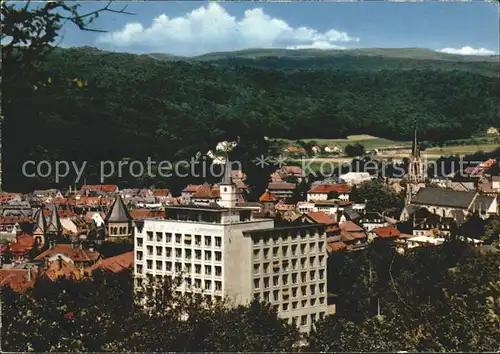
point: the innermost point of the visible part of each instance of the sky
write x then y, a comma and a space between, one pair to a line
191, 28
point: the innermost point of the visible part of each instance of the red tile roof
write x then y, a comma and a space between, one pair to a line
321, 217
75, 254
141, 214
335, 246
161, 192
14, 220
295, 149
192, 188
281, 186
267, 197
328, 188
387, 231
61, 269
350, 226
204, 191
114, 264
17, 279
22, 245
100, 187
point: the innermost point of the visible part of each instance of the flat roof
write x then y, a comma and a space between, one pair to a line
286, 228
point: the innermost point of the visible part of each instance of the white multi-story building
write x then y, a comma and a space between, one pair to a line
222, 252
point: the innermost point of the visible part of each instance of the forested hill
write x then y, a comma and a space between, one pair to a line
137, 106
368, 59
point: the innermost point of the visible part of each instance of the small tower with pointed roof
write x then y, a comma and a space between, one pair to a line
228, 190
417, 172
119, 221
54, 227
40, 228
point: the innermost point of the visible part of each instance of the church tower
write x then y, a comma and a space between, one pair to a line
228, 190
40, 228
119, 222
417, 171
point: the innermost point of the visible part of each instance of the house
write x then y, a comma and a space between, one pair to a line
352, 234
281, 190
294, 150
372, 220
268, 201
61, 267
422, 241
495, 183
333, 149
355, 178
81, 258
325, 191
18, 279
492, 131
21, 248
99, 189
161, 195
295, 171
116, 264
387, 233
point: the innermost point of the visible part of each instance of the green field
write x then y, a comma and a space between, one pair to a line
368, 141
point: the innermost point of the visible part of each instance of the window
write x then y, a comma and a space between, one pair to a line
168, 251
197, 268
303, 290
294, 278
197, 240
294, 292
256, 254
285, 279
321, 288
266, 296
178, 238
139, 241
266, 268
218, 241
208, 284
303, 277
188, 281
168, 266
256, 283
218, 256
139, 268
197, 254
159, 250
303, 320
313, 302
312, 275
139, 255
276, 295
197, 283
321, 259
285, 307
322, 300
208, 241
150, 250
321, 315
150, 235
312, 261
294, 305
276, 280
285, 251
294, 250
313, 317
303, 303
256, 241
312, 247
321, 274
218, 271
208, 255
266, 253
178, 252
275, 251
159, 265
256, 268
218, 286
313, 290
320, 246
159, 237
266, 282
294, 264
303, 249
208, 270
178, 267
187, 239
303, 262
285, 265
149, 264
168, 237
187, 254
188, 268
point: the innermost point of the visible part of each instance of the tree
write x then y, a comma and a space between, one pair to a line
378, 195
353, 150
492, 232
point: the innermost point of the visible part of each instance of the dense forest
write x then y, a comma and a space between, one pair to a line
92, 105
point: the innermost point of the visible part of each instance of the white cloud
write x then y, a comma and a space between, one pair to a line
467, 51
211, 28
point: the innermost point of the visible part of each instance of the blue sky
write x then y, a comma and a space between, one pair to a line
192, 27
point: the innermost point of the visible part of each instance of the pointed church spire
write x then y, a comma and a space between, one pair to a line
118, 212
41, 223
226, 178
415, 146
54, 222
